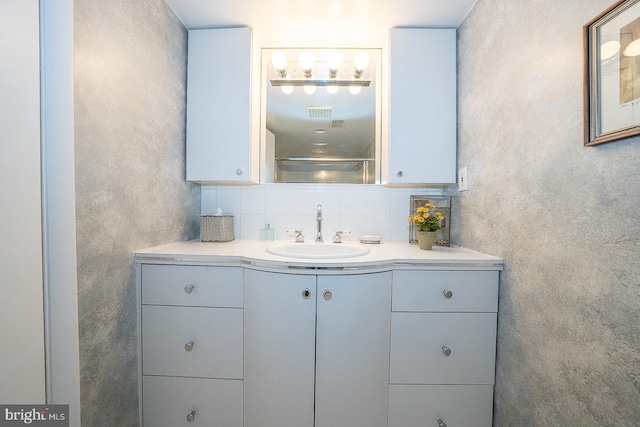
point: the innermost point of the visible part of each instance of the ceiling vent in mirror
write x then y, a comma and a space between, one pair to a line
320, 112
337, 123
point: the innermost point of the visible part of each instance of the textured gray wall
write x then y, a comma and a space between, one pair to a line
130, 75
566, 219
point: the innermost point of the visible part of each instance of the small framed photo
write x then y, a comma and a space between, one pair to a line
612, 74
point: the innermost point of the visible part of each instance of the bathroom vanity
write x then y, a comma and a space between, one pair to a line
232, 335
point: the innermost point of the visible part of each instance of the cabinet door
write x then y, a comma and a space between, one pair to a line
219, 105
279, 326
352, 355
422, 120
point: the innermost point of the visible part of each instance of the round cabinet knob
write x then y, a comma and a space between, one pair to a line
327, 295
446, 350
238, 172
306, 293
400, 174
447, 294
189, 346
189, 288
441, 423
191, 416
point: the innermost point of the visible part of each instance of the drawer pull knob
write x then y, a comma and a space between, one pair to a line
189, 346
441, 423
447, 293
446, 350
189, 288
191, 416
327, 295
306, 293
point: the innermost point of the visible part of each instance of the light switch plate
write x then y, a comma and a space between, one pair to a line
463, 179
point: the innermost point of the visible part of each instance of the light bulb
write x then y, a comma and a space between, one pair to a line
332, 89
279, 60
306, 61
355, 89
334, 59
287, 89
362, 61
309, 89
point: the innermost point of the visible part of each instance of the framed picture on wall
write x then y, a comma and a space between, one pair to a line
612, 74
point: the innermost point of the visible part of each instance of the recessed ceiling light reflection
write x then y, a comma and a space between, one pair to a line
609, 49
633, 49
319, 131
320, 143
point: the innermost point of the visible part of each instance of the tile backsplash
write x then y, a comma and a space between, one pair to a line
360, 209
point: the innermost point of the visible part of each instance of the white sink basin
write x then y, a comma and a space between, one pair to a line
317, 250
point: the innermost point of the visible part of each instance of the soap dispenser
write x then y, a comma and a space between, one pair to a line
267, 233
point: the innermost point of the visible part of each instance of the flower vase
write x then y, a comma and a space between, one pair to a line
426, 239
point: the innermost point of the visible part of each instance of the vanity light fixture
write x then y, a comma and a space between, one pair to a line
332, 83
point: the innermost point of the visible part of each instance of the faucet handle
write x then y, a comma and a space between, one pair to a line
338, 237
299, 236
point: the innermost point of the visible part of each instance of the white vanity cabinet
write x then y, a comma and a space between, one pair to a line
419, 133
316, 349
402, 338
443, 335
219, 145
192, 345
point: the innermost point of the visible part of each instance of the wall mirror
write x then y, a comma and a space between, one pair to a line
320, 115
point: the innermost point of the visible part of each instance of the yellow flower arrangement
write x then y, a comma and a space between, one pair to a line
427, 218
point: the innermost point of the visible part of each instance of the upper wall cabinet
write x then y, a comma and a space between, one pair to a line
219, 147
420, 125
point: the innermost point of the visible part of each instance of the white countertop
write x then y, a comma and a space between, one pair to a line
253, 252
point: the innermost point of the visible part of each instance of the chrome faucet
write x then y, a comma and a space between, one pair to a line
319, 220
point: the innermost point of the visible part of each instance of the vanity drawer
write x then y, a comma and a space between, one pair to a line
192, 285
168, 401
419, 343
216, 334
455, 405
470, 291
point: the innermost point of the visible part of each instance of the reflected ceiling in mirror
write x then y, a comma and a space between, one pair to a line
321, 115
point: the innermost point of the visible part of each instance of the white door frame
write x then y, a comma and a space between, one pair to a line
58, 207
